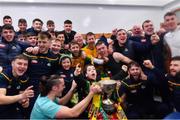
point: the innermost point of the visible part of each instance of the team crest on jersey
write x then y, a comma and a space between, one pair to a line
13, 47
143, 86
18, 87
126, 49
71, 75
9, 86
49, 64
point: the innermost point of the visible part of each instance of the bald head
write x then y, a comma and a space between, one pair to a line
137, 30
78, 38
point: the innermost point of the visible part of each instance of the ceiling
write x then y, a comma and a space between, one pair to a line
155, 3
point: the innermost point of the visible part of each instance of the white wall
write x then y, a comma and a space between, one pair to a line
172, 6
95, 18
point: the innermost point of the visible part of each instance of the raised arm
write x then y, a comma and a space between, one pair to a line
4, 99
119, 57
66, 112
68, 96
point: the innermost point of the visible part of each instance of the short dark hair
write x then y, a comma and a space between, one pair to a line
37, 19
175, 58
7, 27
73, 43
89, 34
22, 20
133, 63
58, 33
61, 32
22, 35
67, 22
7, 17
43, 35
86, 66
50, 22
21, 56
47, 82
121, 30
169, 14
146, 21
100, 42
31, 34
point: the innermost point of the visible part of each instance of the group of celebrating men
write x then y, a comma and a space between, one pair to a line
54, 74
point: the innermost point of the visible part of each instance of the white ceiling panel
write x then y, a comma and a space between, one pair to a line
157, 3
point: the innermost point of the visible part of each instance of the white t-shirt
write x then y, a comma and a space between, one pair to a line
173, 40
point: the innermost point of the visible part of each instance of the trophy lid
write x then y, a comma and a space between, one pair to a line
107, 82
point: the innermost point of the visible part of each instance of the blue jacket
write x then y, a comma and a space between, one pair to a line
8, 50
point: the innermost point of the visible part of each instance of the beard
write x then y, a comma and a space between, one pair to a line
135, 77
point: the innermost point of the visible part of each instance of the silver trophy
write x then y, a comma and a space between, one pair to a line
108, 87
